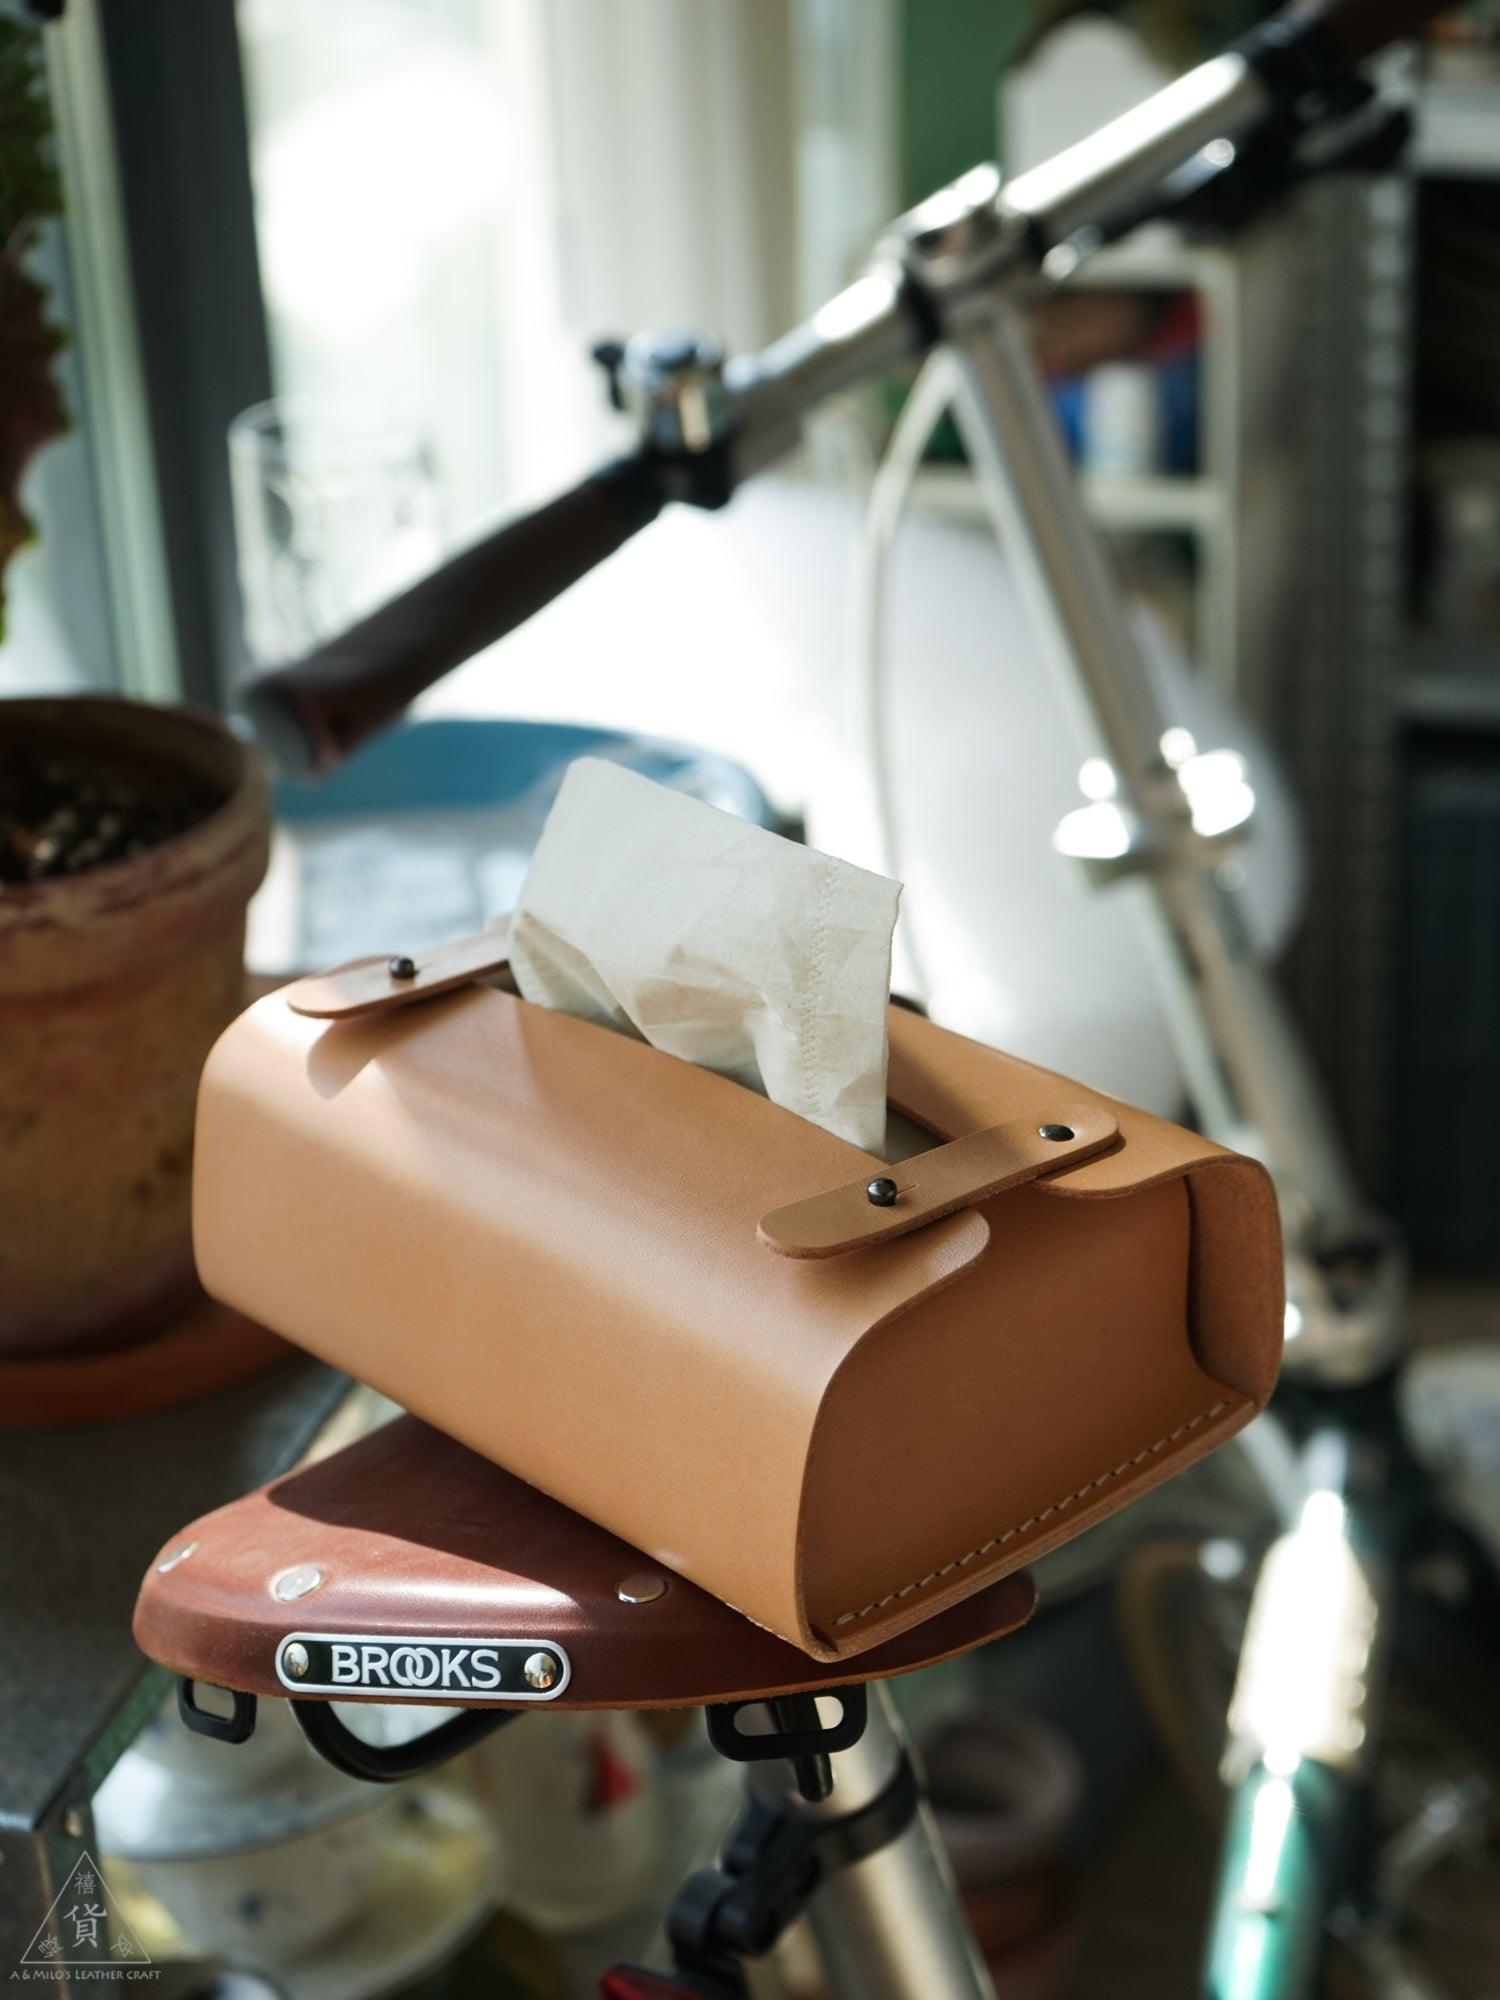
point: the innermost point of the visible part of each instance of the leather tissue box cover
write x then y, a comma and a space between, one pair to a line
551, 1241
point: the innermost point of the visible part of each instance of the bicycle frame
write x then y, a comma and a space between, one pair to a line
959, 273
1296, 1819
1303, 1731
1163, 835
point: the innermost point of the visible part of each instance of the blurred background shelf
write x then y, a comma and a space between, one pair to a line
1457, 130
1181, 503
1442, 692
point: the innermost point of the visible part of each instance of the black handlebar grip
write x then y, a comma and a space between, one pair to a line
312, 714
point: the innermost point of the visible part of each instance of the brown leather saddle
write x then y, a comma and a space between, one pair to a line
407, 1568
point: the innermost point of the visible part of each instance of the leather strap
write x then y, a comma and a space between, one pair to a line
933, 1184
369, 986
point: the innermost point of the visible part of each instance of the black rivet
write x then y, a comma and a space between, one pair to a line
1055, 1132
402, 968
882, 1192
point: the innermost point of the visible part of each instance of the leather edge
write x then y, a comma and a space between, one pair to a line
878, 1630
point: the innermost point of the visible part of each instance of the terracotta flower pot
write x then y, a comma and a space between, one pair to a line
114, 983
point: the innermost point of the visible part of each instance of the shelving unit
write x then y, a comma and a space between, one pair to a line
1451, 681
1457, 102
1392, 725
1190, 504
1334, 705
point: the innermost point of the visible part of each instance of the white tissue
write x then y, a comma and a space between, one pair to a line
650, 912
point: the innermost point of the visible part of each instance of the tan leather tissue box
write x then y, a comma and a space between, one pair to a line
675, 1307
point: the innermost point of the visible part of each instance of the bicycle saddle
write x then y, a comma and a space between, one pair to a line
406, 1567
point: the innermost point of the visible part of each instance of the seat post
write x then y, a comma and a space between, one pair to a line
887, 1926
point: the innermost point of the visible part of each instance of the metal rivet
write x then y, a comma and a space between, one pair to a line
177, 1556
1057, 1133
882, 1192
75, 1822
295, 1583
295, 1659
402, 968
644, 1587
540, 1671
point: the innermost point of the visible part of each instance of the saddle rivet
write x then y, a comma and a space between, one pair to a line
1057, 1133
883, 1191
644, 1587
295, 1583
540, 1671
402, 968
295, 1659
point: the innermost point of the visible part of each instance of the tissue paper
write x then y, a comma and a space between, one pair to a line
649, 912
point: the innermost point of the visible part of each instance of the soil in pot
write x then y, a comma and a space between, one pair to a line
62, 810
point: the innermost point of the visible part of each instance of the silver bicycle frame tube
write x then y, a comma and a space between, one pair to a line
1246, 1070
1105, 174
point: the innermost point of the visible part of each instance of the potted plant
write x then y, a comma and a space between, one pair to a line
131, 839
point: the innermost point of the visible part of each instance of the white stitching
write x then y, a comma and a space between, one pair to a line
1035, 1520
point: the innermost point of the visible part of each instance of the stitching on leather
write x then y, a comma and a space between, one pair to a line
1036, 1520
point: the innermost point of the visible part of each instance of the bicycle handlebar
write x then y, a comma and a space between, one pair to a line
311, 714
